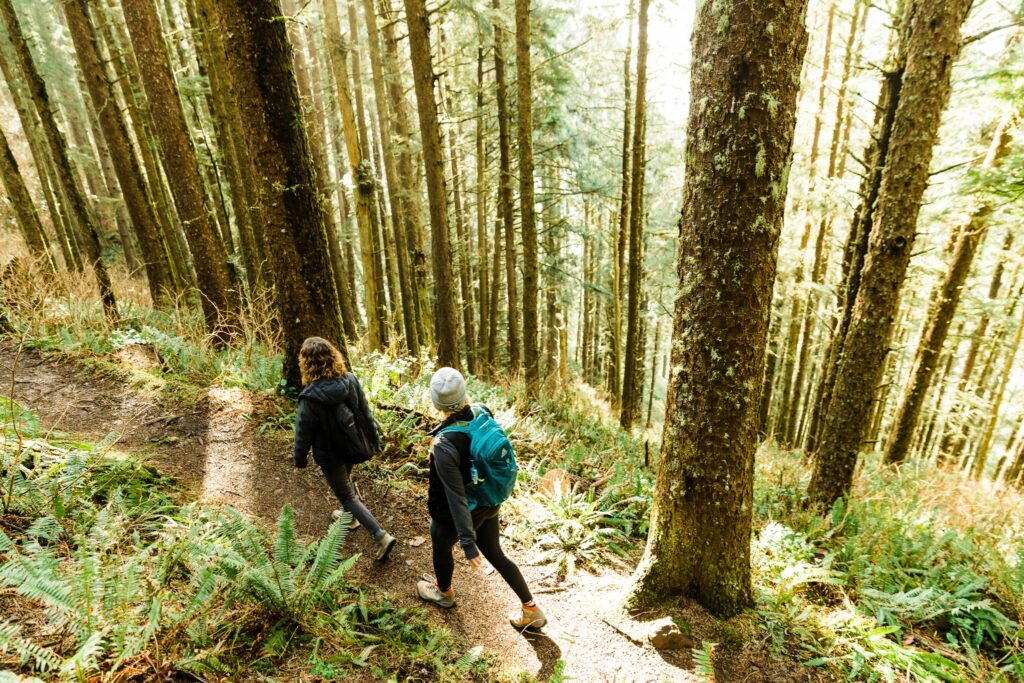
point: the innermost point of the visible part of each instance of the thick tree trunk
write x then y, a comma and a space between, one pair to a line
59, 153
115, 134
856, 246
733, 202
631, 393
446, 325
941, 315
293, 221
218, 299
932, 48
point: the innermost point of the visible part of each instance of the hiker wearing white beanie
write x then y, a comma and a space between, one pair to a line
448, 390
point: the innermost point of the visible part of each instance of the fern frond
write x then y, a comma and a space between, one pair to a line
11, 640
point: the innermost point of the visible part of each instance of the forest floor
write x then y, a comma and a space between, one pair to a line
211, 442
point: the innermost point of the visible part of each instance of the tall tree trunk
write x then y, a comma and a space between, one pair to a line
391, 170
622, 226
764, 429
218, 299
932, 48
941, 315
368, 182
631, 397
856, 246
733, 201
59, 153
409, 171
241, 173
115, 134
25, 213
362, 177
528, 225
981, 457
260, 60
446, 326
505, 193
480, 190
802, 321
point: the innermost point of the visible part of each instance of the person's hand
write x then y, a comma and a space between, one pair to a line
476, 563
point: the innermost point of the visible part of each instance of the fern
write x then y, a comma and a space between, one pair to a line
43, 658
704, 660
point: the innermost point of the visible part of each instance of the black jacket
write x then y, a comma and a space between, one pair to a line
315, 424
450, 461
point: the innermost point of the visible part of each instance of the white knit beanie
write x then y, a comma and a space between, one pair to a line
448, 389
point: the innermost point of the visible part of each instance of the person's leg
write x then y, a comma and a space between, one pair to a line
489, 543
442, 538
341, 483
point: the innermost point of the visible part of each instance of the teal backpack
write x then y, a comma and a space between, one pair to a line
493, 468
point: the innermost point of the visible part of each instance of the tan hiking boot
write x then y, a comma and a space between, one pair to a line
528, 619
428, 590
384, 545
353, 523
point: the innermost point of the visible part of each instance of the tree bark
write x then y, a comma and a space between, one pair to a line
622, 226
59, 153
733, 201
218, 299
505, 193
25, 213
260, 60
631, 395
932, 48
480, 190
391, 170
115, 134
446, 325
528, 220
941, 315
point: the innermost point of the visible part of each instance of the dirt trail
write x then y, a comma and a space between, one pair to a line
218, 454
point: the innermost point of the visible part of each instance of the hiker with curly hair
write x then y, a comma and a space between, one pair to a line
472, 471
334, 418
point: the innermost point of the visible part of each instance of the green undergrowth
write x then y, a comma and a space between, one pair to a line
920, 577
108, 573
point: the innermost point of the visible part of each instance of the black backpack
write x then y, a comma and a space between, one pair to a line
357, 439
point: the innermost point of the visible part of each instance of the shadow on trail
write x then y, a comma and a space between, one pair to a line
548, 652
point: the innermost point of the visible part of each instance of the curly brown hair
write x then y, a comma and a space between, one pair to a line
320, 359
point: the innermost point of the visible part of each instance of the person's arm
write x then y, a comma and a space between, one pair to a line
446, 461
373, 433
305, 428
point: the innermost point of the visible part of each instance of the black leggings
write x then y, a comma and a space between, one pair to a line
443, 536
339, 477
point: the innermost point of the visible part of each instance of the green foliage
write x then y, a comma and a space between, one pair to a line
100, 552
917, 578
704, 661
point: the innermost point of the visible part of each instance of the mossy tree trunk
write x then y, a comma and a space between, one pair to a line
292, 217
25, 213
733, 201
933, 45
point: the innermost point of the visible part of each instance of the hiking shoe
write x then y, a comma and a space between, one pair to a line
528, 619
353, 523
384, 545
428, 590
